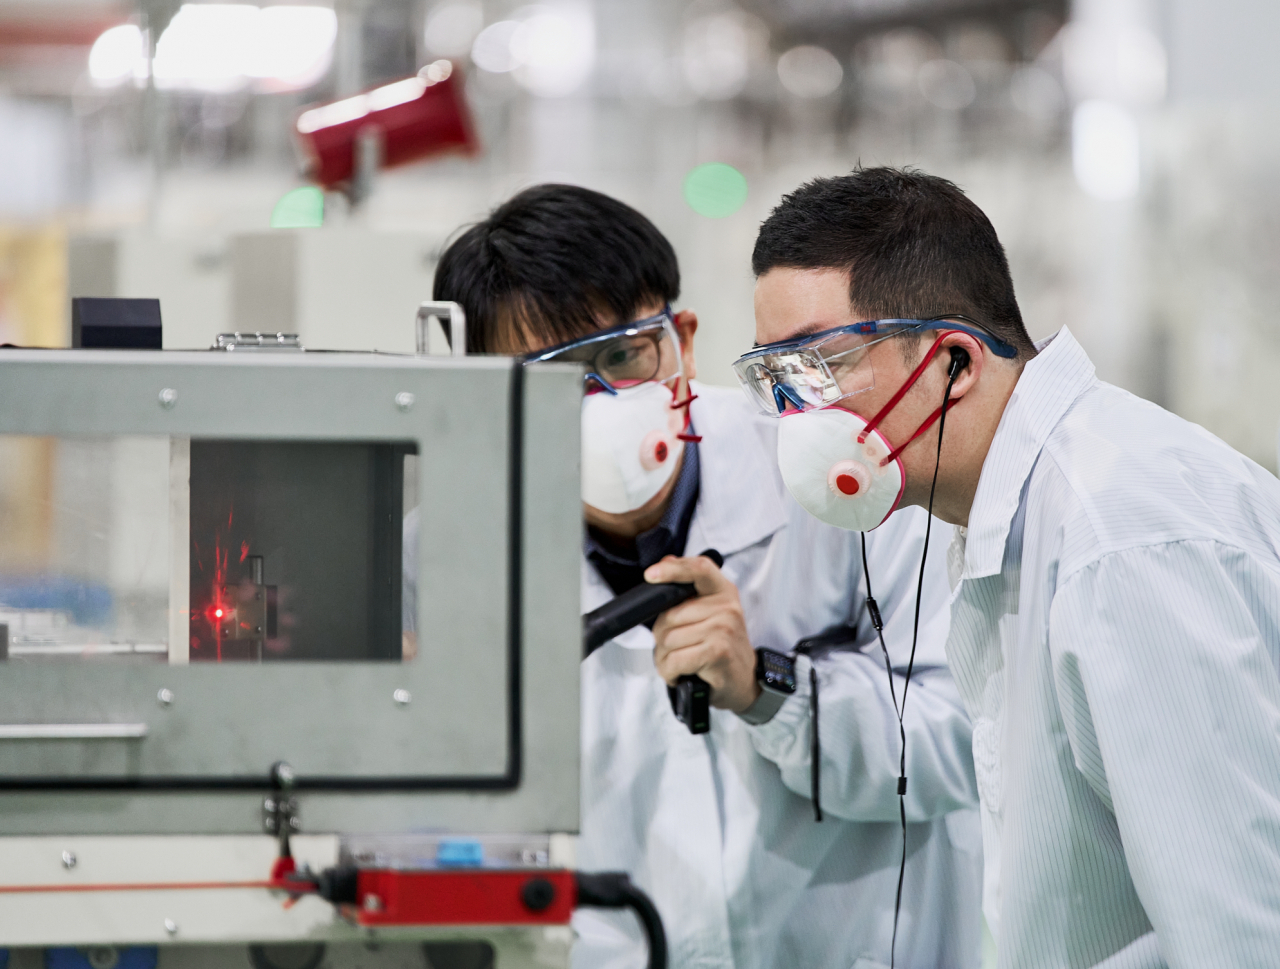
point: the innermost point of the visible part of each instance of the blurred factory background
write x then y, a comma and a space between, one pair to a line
1125, 150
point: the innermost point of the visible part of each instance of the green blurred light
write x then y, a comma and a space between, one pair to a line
715, 190
303, 208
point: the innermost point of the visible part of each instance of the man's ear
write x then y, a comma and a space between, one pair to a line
968, 359
687, 326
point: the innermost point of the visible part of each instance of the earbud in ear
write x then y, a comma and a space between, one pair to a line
959, 361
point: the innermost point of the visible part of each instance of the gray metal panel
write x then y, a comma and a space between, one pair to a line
552, 606
331, 718
264, 282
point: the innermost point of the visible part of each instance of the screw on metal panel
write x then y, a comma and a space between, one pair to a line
372, 903
165, 696
69, 860
283, 775
171, 926
402, 697
168, 397
404, 400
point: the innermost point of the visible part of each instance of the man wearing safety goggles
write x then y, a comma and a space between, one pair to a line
1116, 614
720, 828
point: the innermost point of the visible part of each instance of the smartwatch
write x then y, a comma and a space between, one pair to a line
776, 674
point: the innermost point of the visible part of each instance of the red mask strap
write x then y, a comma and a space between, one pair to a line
929, 422
902, 392
677, 404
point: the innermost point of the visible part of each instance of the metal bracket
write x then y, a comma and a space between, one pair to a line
443, 310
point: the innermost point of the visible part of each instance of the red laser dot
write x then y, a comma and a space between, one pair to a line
847, 484
660, 452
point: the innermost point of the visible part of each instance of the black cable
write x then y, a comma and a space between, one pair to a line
911, 662
815, 745
805, 648
607, 889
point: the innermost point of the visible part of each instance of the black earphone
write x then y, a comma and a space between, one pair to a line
959, 361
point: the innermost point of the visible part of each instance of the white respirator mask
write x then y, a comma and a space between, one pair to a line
631, 445
836, 477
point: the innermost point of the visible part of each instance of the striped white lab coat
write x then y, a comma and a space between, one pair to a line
1116, 637
718, 828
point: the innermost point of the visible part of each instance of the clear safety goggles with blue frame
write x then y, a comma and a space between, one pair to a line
624, 355
822, 368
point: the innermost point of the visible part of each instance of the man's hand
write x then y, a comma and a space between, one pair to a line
706, 635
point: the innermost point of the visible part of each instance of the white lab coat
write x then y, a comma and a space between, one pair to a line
1116, 636
718, 828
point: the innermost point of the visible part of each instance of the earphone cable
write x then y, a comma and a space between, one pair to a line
911, 661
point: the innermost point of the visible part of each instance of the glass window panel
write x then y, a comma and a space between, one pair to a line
143, 549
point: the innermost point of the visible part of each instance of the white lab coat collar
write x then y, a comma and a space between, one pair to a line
1049, 384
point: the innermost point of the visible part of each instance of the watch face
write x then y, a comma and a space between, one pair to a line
776, 671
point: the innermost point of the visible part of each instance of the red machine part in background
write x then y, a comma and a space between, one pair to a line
474, 897
414, 118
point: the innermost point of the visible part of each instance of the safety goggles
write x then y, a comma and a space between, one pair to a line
624, 355
822, 368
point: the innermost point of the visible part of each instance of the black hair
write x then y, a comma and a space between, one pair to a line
553, 263
914, 245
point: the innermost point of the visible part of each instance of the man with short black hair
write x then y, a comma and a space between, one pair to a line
1116, 571
720, 828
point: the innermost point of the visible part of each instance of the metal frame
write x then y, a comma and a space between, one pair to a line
98, 392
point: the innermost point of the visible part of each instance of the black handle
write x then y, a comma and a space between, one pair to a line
646, 601
691, 696
691, 702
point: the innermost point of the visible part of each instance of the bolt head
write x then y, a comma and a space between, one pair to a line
372, 903
284, 774
69, 860
165, 696
404, 400
171, 926
402, 697
168, 397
